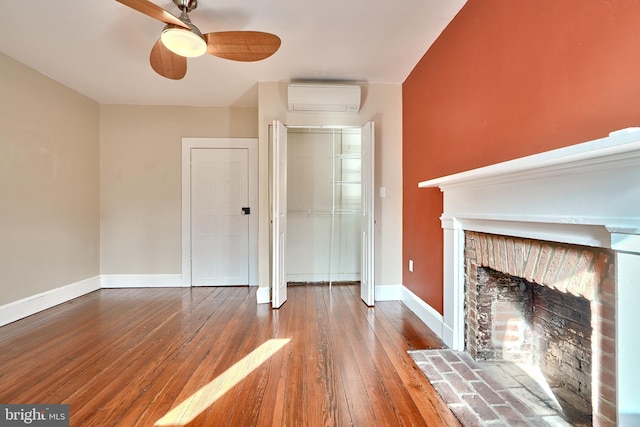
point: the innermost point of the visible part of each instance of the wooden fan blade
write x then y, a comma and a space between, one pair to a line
154, 11
167, 63
242, 45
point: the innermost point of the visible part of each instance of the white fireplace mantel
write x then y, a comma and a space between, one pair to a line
586, 194
588, 191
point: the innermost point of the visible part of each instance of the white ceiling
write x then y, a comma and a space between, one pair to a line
101, 48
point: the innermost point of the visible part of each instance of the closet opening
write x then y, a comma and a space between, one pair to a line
324, 207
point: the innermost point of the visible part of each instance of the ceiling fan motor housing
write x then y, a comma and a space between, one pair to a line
186, 5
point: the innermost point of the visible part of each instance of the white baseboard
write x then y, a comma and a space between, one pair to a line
27, 306
141, 281
424, 311
263, 295
388, 293
447, 336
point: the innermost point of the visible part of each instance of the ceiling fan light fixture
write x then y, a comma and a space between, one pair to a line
183, 42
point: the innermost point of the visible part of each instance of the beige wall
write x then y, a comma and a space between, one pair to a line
49, 184
140, 180
90, 189
382, 103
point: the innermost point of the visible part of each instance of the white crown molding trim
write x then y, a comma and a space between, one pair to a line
141, 281
388, 293
31, 305
427, 314
263, 295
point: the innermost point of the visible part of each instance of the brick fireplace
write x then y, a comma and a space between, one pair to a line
567, 220
547, 304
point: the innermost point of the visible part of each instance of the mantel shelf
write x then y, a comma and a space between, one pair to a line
623, 144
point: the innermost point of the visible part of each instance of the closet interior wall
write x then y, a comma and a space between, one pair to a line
324, 205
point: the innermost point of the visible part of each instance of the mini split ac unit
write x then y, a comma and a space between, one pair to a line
326, 98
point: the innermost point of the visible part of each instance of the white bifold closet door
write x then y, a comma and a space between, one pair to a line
278, 214
367, 270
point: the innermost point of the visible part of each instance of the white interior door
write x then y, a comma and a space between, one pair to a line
219, 225
367, 285
278, 214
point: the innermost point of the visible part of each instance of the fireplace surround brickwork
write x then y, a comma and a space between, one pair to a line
578, 270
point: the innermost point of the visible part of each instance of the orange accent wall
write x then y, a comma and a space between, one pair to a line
507, 79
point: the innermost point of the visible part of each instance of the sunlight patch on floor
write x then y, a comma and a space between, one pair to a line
188, 410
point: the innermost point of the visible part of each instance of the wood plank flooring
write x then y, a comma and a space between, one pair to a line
130, 357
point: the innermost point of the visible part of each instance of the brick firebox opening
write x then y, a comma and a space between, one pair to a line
525, 323
585, 278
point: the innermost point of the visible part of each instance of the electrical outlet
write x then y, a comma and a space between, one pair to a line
411, 266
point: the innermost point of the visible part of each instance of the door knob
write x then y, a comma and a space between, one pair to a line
246, 211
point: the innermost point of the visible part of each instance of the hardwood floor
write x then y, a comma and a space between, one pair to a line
129, 357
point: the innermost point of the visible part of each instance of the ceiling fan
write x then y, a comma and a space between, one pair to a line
180, 39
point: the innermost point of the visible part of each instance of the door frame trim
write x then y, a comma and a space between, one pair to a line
251, 144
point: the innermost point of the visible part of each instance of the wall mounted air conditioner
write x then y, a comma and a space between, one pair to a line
328, 98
